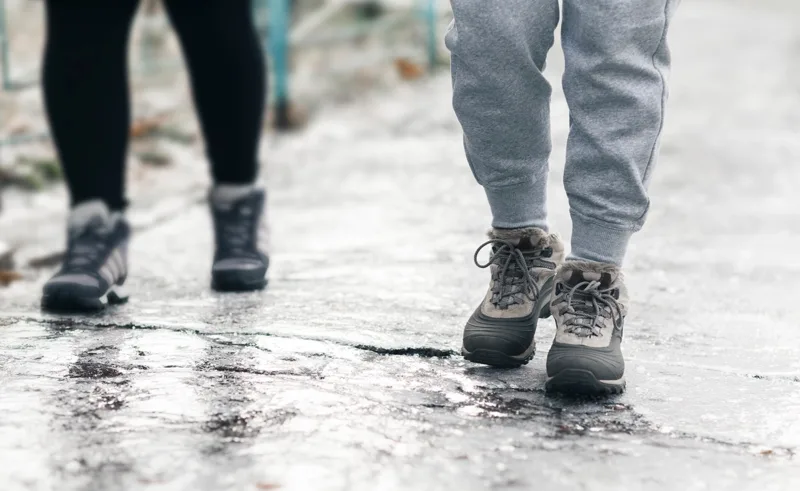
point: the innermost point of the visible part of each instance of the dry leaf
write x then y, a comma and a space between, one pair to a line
8, 277
408, 69
146, 126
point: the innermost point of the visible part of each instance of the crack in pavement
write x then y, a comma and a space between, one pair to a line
77, 324
422, 352
303, 372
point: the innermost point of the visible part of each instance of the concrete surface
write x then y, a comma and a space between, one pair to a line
343, 375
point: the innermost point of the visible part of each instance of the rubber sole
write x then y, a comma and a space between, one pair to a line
498, 359
574, 381
65, 302
237, 286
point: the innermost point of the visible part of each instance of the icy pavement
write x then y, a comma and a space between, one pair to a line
343, 375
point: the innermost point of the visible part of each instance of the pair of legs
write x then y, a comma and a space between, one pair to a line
615, 84
87, 95
87, 99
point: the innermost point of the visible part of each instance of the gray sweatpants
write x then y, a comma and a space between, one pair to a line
615, 84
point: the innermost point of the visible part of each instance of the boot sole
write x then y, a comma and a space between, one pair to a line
65, 302
574, 381
240, 281
498, 359
238, 286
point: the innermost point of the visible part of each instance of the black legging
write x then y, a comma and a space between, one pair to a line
86, 88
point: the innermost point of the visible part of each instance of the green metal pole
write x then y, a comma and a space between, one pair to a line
430, 17
4, 51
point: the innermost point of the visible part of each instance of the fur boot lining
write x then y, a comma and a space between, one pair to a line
538, 236
535, 234
590, 267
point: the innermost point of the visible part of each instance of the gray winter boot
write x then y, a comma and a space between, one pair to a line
523, 262
239, 263
589, 306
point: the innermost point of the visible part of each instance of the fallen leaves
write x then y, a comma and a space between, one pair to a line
7, 273
8, 277
774, 452
147, 126
408, 70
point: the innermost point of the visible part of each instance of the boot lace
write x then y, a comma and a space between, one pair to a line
588, 305
86, 247
236, 232
513, 280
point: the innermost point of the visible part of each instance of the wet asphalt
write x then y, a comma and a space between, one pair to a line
344, 373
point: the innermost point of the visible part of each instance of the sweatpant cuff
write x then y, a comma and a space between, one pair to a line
595, 241
518, 206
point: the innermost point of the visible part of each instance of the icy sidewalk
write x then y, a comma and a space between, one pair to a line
344, 374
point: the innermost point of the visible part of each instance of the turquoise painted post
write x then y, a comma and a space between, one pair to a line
433, 45
4, 51
278, 35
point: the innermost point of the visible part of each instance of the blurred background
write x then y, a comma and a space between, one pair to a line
322, 53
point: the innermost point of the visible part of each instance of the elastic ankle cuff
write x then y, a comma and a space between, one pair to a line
229, 193
598, 242
518, 206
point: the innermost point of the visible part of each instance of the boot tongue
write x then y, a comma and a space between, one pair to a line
523, 243
576, 277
